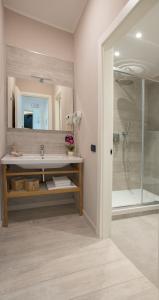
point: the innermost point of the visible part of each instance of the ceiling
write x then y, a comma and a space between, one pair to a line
141, 55
62, 14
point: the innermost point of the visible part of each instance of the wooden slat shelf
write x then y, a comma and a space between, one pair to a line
70, 170
42, 191
75, 172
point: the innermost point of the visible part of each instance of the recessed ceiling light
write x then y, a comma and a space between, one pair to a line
138, 35
117, 53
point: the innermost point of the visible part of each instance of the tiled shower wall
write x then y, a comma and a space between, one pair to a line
127, 120
29, 141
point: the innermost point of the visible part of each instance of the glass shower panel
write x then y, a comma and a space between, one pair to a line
151, 144
127, 140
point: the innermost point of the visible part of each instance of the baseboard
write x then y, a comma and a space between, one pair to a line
89, 220
41, 204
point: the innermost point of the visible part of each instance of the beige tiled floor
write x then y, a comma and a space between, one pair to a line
137, 238
60, 258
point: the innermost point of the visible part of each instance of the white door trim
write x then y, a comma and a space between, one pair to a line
129, 15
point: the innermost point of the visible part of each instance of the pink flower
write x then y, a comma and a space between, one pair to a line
69, 139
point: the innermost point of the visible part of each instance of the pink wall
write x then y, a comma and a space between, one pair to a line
2, 85
1, 23
96, 19
2, 95
28, 34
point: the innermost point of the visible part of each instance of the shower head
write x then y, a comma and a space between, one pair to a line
123, 81
123, 78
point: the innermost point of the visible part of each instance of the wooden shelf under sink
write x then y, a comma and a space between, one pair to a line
16, 171
42, 191
74, 171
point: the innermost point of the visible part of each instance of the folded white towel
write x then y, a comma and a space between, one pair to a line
60, 178
51, 186
61, 181
62, 184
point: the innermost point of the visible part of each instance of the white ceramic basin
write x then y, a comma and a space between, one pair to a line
33, 161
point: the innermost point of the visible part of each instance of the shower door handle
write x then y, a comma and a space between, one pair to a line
111, 151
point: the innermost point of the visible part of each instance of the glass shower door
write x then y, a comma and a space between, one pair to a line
127, 140
151, 144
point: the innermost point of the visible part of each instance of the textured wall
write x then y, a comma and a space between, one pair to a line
29, 141
24, 64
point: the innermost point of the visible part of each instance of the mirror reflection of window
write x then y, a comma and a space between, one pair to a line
47, 104
28, 119
39, 107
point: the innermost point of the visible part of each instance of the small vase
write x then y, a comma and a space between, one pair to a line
70, 153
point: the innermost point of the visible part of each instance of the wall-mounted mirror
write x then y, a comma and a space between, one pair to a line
38, 104
39, 91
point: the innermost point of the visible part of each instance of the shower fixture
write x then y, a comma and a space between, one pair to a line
116, 138
40, 78
123, 78
124, 81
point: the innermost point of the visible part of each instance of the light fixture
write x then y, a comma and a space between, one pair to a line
117, 53
138, 35
40, 78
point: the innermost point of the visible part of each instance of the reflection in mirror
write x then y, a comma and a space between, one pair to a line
38, 104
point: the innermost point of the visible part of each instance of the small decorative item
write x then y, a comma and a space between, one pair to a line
17, 183
32, 184
70, 145
14, 151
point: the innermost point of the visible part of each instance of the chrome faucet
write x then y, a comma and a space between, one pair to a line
42, 150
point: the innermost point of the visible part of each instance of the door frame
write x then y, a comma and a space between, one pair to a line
132, 12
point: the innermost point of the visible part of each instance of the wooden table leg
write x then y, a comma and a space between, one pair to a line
81, 189
5, 198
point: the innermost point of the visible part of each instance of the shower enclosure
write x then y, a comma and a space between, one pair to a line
135, 141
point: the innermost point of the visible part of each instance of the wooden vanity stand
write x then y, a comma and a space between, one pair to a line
74, 172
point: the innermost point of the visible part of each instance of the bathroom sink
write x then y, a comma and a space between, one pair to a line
34, 161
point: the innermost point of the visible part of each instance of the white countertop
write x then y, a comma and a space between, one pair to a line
36, 159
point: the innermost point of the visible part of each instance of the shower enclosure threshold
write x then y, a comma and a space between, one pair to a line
132, 197
126, 202
132, 211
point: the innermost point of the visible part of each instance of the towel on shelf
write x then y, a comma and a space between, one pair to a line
61, 181
51, 186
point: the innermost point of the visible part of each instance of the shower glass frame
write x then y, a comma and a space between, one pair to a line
143, 93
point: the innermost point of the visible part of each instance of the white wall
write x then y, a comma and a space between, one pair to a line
2, 88
95, 20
